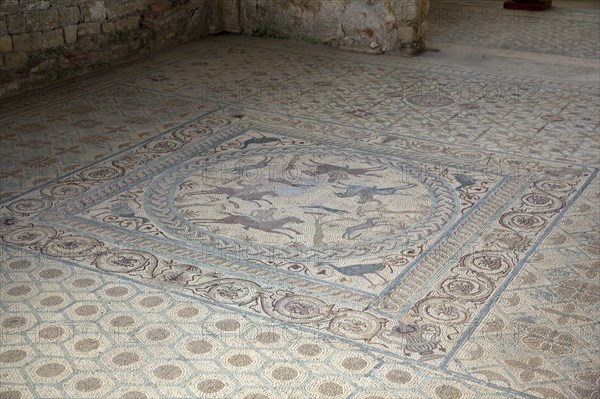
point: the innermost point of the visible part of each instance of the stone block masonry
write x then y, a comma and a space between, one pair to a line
44, 40
374, 26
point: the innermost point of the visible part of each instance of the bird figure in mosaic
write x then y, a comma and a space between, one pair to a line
358, 270
237, 113
122, 209
464, 180
422, 339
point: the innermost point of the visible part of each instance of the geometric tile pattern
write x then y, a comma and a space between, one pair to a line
523, 117
552, 309
69, 332
560, 30
42, 157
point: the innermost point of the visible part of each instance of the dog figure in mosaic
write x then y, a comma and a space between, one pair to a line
349, 232
242, 194
366, 194
264, 221
242, 170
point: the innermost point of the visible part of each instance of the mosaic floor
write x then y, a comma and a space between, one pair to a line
561, 30
252, 218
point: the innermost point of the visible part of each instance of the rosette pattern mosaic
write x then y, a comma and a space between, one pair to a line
250, 253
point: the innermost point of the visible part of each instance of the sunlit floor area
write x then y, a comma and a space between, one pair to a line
254, 218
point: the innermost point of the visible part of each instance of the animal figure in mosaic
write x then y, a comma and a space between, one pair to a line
385, 210
291, 176
349, 232
366, 194
242, 170
237, 113
239, 193
324, 208
122, 209
263, 221
423, 339
258, 140
287, 182
290, 167
463, 180
359, 270
335, 172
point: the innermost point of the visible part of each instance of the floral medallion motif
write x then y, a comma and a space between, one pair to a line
546, 339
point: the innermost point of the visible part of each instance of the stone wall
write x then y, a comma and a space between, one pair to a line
376, 26
44, 40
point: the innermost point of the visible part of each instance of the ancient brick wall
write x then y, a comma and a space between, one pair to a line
43, 40
376, 26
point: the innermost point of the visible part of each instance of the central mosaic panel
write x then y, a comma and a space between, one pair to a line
389, 241
310, 201
314, 208
345, 218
